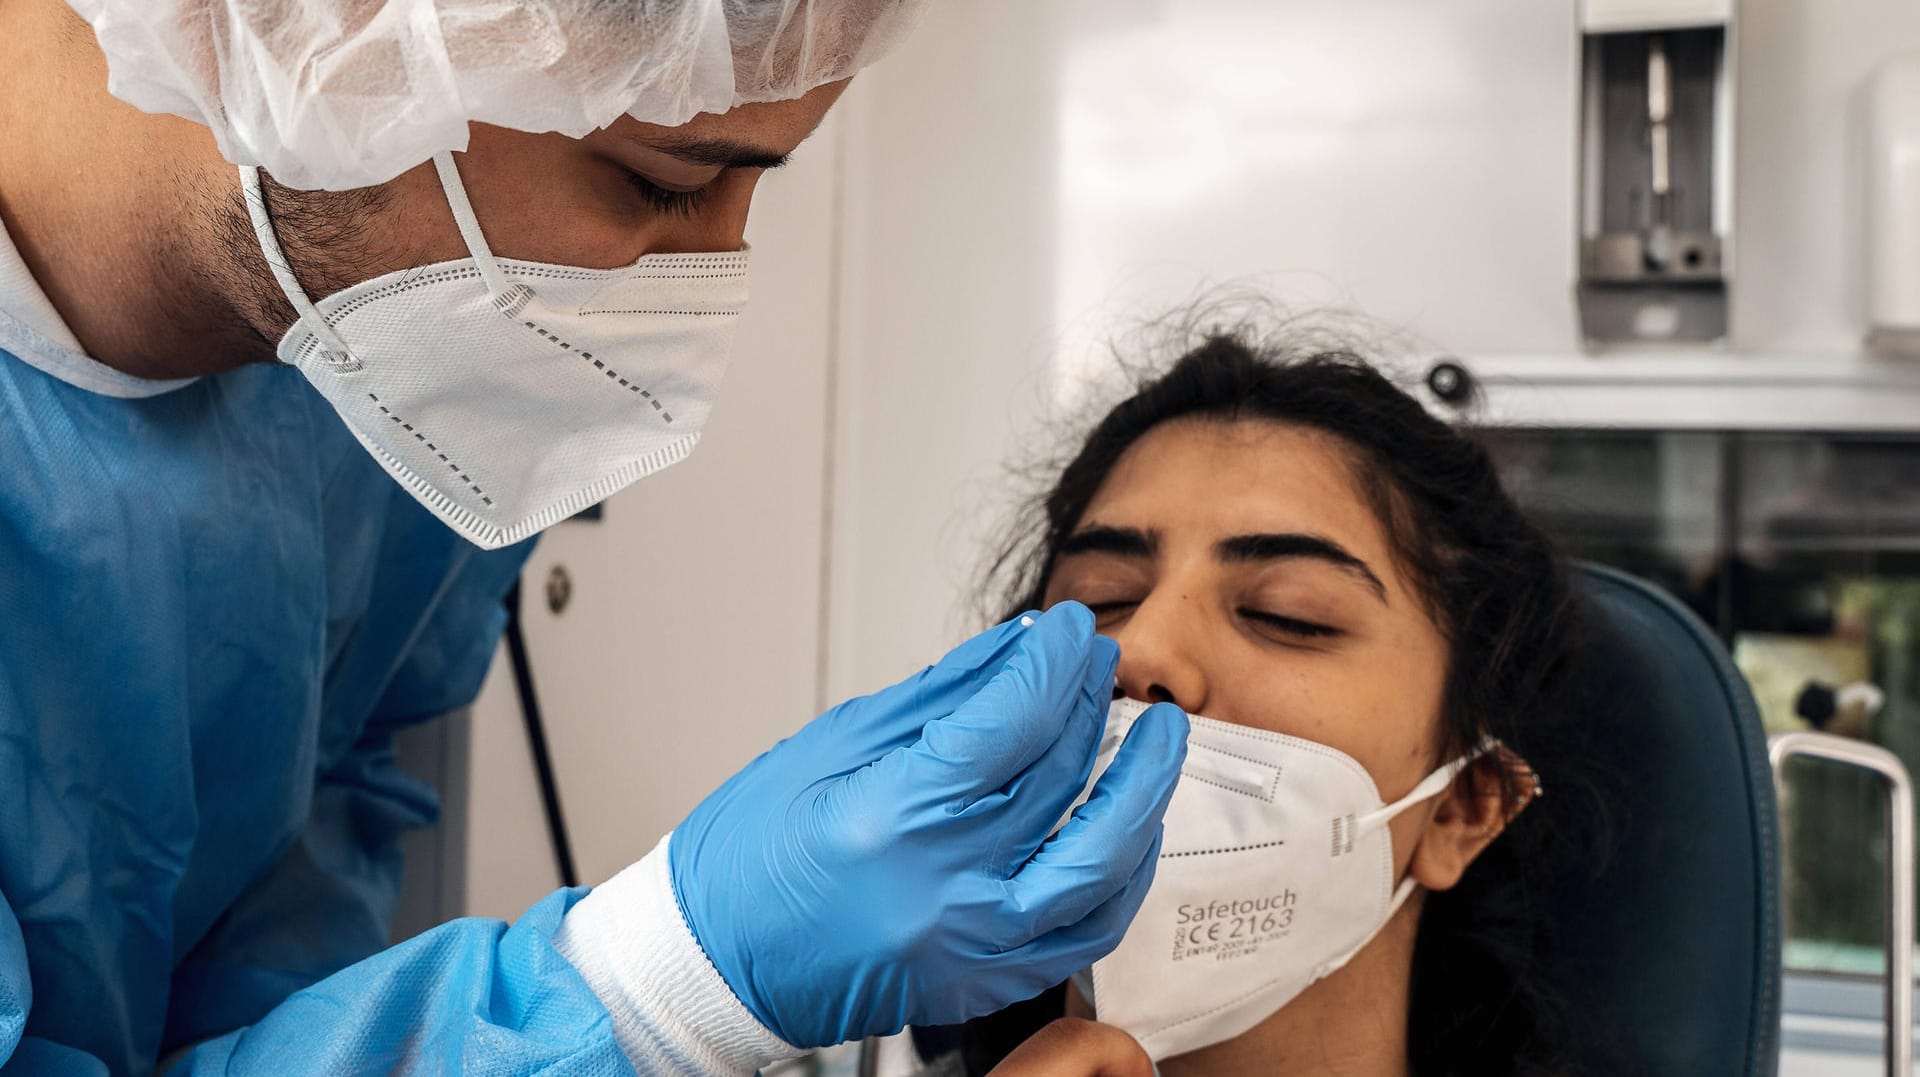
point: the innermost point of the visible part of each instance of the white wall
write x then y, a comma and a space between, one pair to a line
947, 317
1027, 179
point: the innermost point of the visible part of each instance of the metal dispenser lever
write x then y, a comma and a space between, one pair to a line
1659, 139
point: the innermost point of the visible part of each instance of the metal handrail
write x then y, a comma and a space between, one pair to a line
1900, 915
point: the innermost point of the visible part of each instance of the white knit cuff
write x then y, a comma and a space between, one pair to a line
672, 1012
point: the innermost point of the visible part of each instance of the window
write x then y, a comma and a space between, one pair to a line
1803, 553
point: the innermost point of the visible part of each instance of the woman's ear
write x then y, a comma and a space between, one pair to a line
1469, 815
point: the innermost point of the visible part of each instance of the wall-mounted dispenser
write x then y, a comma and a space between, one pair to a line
1892, 232
1656, 208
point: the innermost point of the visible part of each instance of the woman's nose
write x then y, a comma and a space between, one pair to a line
1159, 655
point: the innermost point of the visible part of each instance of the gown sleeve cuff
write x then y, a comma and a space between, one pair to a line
672, 1012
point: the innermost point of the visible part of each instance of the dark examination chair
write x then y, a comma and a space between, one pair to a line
1676, 944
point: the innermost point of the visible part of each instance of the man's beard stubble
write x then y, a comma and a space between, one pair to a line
324, 235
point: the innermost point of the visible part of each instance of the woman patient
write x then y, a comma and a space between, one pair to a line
1294, 549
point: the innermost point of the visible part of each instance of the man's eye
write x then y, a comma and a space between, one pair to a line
1291, 625
665, 200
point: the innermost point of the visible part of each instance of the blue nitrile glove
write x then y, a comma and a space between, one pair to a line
890, 863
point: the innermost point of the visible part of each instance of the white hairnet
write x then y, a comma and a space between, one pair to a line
349, 93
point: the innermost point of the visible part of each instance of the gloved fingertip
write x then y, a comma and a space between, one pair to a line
1075, 618
1169, 724
987, 651
1148, 766
1106, 657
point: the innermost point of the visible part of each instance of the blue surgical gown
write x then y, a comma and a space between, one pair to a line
215, 611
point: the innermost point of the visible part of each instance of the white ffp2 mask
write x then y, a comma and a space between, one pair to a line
1275, 869
506, 395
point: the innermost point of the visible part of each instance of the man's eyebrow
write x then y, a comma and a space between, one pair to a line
712, 152
1244, 548
1123, 541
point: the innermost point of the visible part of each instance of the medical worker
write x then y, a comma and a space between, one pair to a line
271, 440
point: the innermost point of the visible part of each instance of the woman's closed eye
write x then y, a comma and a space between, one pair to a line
1292, 626
1108, 610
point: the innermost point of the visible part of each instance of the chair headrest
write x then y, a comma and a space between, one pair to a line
1676, 942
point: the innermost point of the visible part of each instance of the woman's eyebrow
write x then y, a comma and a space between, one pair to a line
1275, 547
1122, 541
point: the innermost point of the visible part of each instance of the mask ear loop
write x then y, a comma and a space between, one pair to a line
337, 351
507, 294
1430, 786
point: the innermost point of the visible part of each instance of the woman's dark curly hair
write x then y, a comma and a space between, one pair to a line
1495, 586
